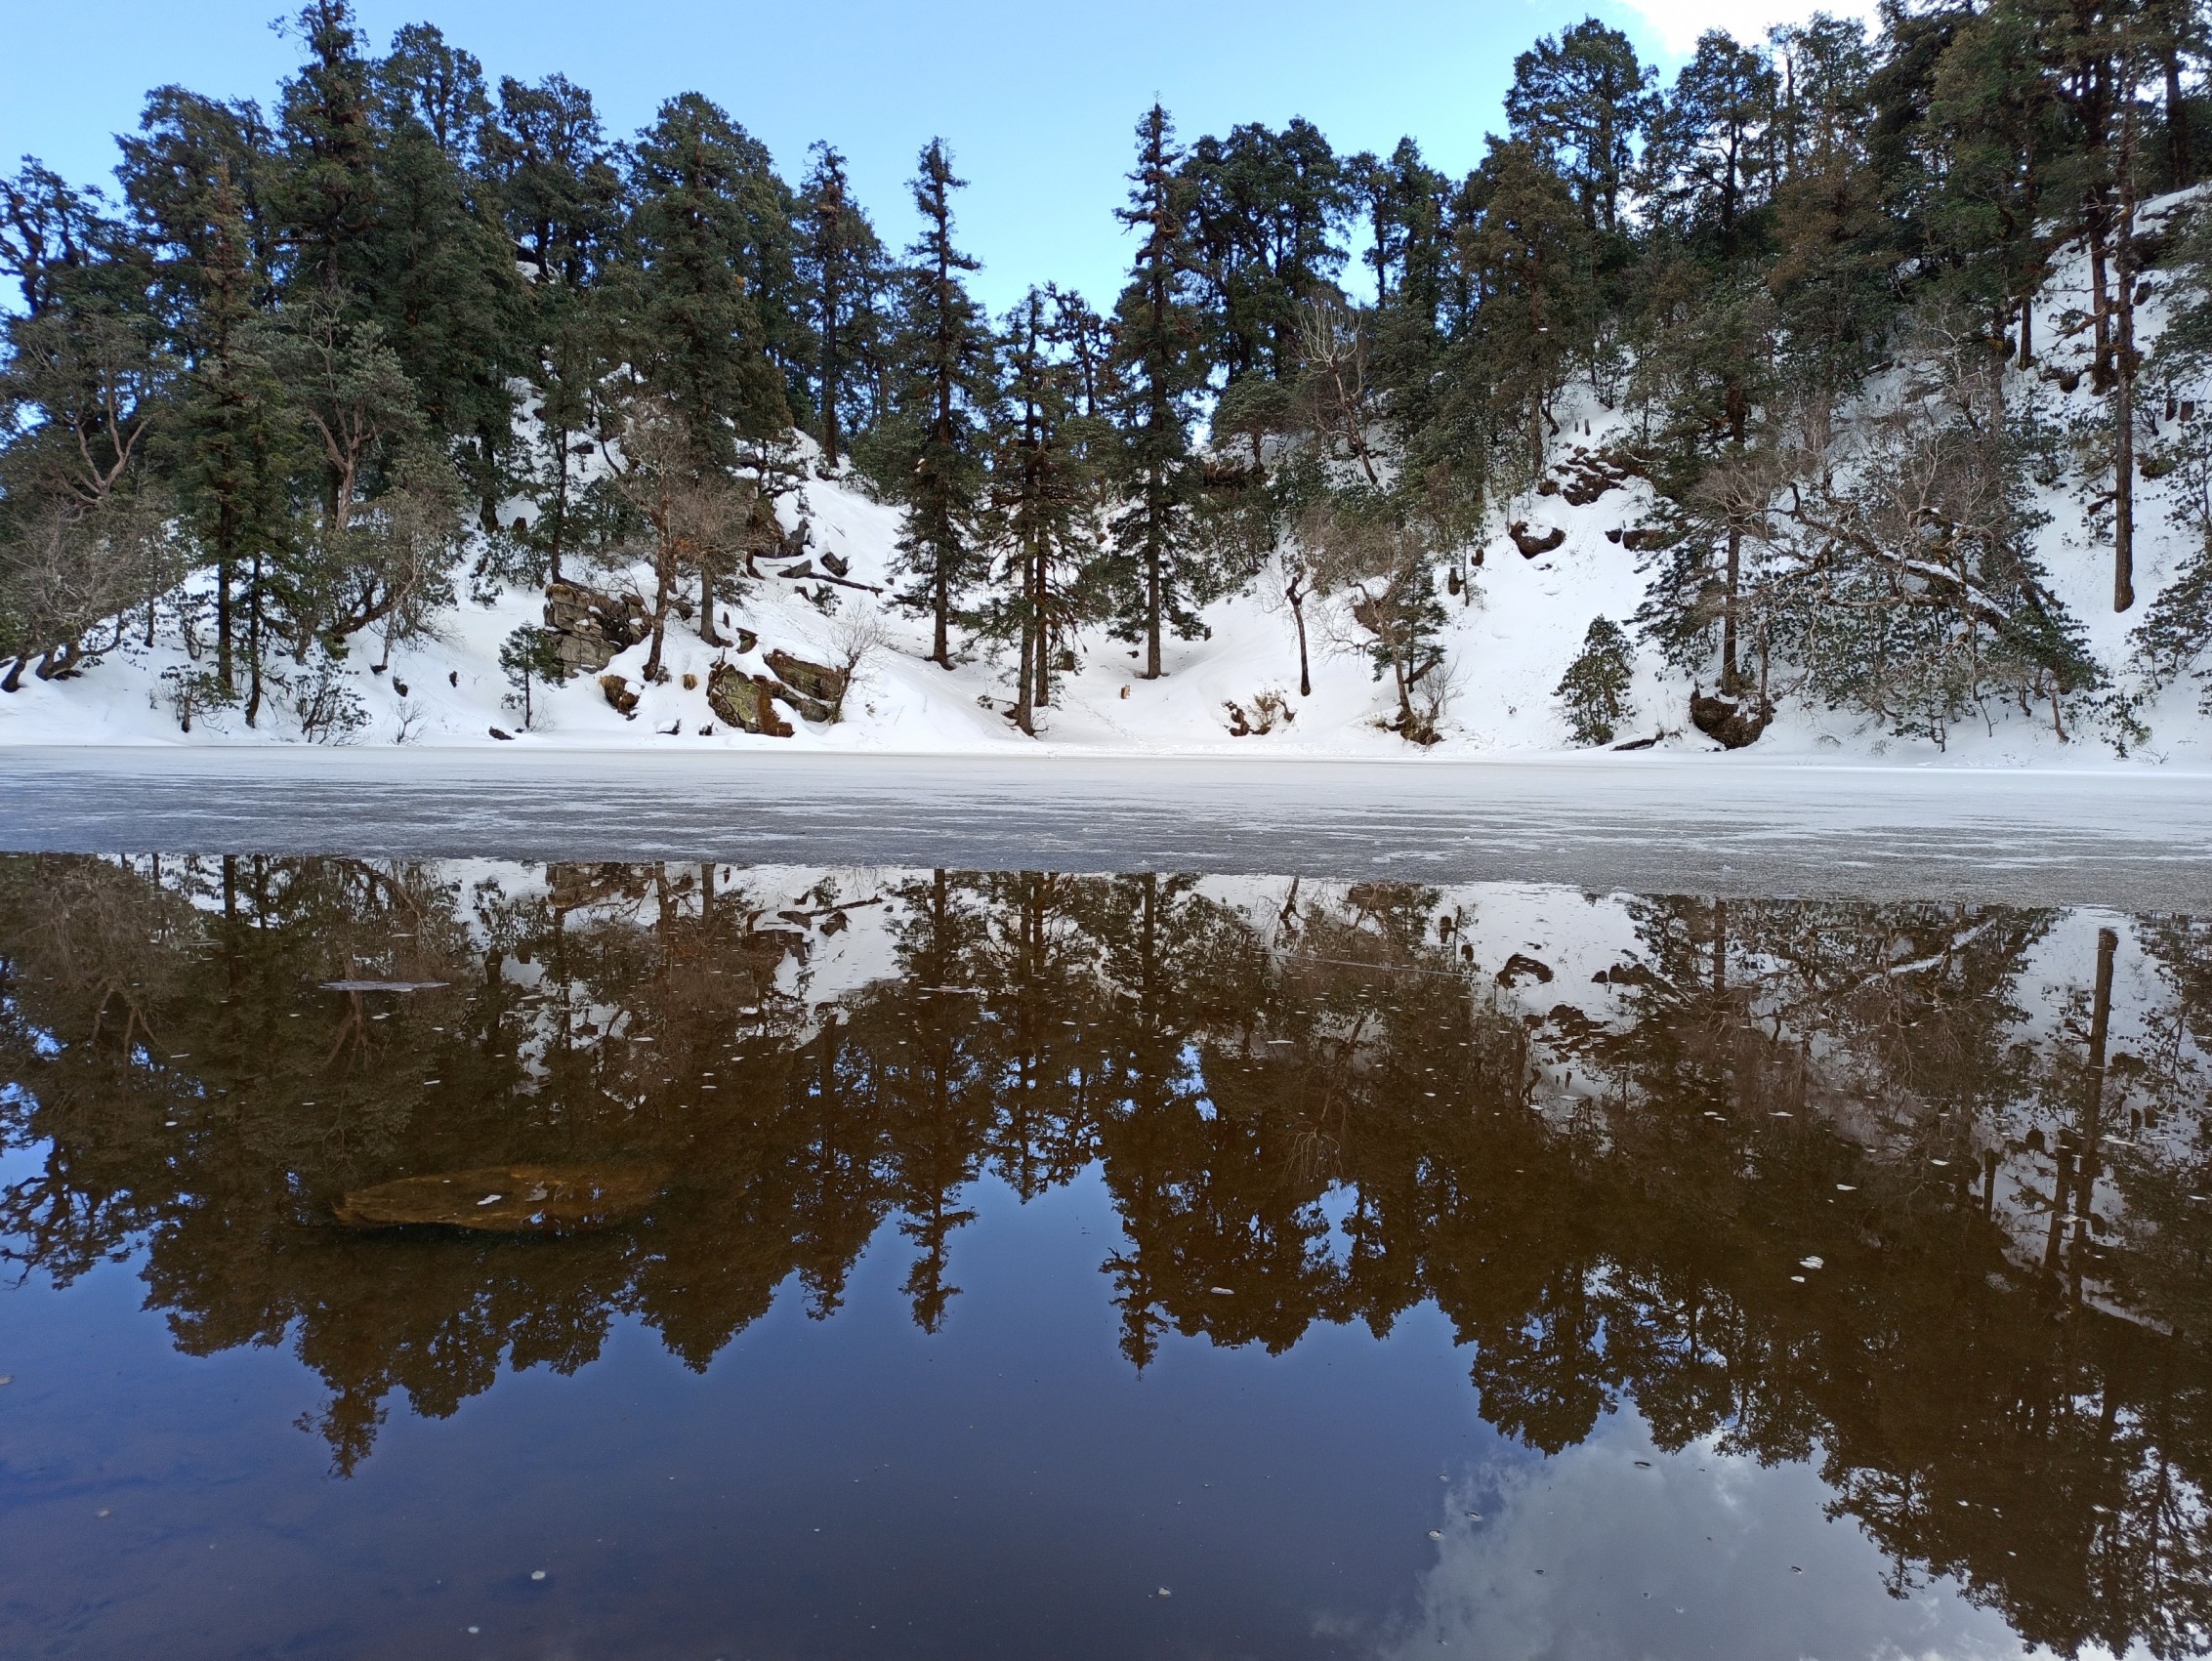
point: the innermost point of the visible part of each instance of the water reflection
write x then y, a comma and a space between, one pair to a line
1911, 1197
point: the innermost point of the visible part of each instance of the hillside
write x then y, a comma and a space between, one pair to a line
1508, 637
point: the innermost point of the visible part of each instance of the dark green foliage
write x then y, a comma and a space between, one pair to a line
529, 657
707, 227
1158, 570
843, 277
930, 454
1582, 100
1593, 693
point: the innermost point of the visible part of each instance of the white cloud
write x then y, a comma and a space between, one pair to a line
1591, 1555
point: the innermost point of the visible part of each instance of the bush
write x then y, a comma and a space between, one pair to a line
1593, 693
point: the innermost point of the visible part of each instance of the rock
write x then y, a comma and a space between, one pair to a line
815, 683
744, 702
837, 565
508, 1199
398, 686
1532, 543
1732, 722
618, 693
803, 569
590, 627
746, 640
497, 733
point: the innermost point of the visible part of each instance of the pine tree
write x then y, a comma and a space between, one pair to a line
1582, 100
1043, 502
1157, 569
695, 329
191, 174
931, 454
1593, 693
841, 265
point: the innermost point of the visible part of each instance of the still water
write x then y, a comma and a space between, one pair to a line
426, 1259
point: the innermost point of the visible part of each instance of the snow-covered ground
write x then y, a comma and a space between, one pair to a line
1509, 639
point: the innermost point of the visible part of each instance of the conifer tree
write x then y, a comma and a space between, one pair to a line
1042, 501
1593, 693
1158, 572
1582, 100
841, 265
694, 328
1707, 152
193, 175
932, 456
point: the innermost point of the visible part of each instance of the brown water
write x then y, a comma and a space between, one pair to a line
827, 1262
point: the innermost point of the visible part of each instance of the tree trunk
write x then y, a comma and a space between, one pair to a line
1152, 576
829, 362
1298, 614
222, 626
940, 648
661, 585
253, 643
2177, 122
1044, 632
1730, 678
2123, 386
708, 634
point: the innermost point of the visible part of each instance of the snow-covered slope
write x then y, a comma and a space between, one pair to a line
1509, 639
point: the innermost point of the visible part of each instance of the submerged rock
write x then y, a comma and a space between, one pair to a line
508, 1199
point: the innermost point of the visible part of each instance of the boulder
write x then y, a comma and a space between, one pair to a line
814, 684
745, 701
618, 693
1532, 543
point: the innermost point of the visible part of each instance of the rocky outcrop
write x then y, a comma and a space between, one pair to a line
1585, 475
746, 701
815, 689
589, 628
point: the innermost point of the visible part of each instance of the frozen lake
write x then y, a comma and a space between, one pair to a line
2133, 837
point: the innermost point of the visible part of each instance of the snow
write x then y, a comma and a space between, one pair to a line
1509, 639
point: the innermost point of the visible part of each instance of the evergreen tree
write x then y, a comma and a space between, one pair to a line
1708, 149
193, 175
694, 328
1043, 502
1593, 693
1265, 218
1157, 571
841, 267
932, 454
1582, 100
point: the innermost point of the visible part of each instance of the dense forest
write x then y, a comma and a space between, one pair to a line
313, 374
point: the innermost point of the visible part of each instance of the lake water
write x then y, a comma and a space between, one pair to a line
472, 1258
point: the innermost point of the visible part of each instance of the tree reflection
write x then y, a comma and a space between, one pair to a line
1986, 1125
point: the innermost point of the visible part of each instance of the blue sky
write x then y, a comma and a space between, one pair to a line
1037, 100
